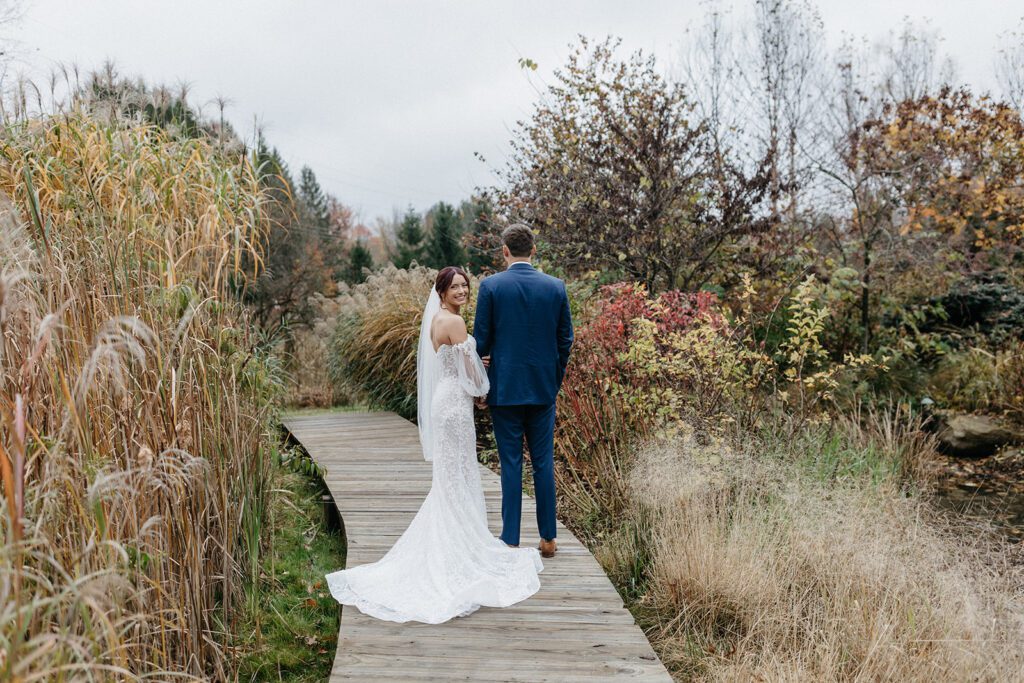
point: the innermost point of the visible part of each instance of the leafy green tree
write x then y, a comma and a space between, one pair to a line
409, 240
445, 245
617, 175
359, 258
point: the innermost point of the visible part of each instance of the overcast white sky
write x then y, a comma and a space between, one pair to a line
388, 100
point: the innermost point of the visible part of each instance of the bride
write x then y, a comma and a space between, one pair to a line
446, 564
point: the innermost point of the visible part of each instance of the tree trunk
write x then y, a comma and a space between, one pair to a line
865, 299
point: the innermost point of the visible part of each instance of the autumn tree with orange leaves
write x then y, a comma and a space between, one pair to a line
935, 188
955, 164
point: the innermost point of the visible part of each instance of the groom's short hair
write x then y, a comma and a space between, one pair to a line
518, 237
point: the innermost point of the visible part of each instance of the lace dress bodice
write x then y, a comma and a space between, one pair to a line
447, 563
461, 363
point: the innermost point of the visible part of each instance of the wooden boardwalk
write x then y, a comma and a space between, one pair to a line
574, 629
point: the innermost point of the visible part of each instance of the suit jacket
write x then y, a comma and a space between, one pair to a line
523, 323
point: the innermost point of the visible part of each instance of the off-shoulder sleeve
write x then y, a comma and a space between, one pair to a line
472, 373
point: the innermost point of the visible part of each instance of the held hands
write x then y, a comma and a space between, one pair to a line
481, 401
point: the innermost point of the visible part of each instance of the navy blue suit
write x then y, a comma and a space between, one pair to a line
523, 323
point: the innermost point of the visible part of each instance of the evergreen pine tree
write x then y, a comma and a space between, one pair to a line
358, 259
480, 236
271, 168
314, 200
304, 252
409, 239
445, 245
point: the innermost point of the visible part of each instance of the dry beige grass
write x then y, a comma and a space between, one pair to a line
759, 572
309, 384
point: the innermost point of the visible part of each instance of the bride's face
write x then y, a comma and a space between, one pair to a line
458, 292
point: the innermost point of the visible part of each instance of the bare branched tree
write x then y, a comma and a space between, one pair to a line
912, 65
785, 50
1010, 66
858, 214
709, 71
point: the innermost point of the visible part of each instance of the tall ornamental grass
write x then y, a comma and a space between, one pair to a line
134, 402
373, 329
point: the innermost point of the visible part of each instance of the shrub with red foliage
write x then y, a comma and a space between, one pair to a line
606, 334
602, 407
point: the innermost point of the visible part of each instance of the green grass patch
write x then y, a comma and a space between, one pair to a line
835, 459
291, 627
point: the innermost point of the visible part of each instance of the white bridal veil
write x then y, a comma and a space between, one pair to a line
427, 373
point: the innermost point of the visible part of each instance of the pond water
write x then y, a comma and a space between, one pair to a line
1004, 509
990, 489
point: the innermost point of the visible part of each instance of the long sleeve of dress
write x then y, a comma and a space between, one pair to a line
472, 373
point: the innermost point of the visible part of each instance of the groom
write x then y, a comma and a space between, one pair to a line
523, 325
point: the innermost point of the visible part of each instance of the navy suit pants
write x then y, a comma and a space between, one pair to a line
537, 425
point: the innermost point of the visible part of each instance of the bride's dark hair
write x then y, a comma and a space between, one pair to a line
445, 277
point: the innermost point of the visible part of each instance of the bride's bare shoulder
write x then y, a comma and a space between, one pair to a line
448, 328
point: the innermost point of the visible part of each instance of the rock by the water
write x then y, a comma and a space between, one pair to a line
973, 436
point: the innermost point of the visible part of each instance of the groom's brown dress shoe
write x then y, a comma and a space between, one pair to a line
547, 548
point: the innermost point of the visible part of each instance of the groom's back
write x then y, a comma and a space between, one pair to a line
523, 324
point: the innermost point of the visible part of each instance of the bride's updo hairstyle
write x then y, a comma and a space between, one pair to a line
445, 277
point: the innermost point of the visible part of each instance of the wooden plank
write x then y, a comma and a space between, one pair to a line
574, 629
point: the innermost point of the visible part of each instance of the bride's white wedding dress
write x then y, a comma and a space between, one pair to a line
446, 564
